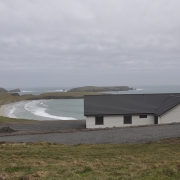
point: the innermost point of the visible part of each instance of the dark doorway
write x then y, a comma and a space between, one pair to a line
155, 119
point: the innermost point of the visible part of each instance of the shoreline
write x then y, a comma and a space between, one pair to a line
2, 110
5, 106
7, 109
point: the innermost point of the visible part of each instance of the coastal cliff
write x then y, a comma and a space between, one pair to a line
100, 89
2, 90
15, 90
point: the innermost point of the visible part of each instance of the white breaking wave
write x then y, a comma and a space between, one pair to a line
28, 91
139, 89
13, 109
11, 115
57, 90
39, 111
45, 102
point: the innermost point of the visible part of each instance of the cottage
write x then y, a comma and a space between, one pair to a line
131, 109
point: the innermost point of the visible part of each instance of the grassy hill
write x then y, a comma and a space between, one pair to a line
6, 120
6, 98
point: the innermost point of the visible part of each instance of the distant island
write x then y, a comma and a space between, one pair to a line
75, 93
2, 90
101, 89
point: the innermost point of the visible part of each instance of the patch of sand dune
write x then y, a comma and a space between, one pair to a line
2, 109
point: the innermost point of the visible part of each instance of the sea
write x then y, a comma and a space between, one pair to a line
67, 109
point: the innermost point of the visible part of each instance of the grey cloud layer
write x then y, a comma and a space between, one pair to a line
106, 42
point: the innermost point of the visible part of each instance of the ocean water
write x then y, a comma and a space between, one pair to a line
67, 109
151, 90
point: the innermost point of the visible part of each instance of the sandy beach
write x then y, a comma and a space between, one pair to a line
4, 107
41, 110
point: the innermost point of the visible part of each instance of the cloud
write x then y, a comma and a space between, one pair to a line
103, 38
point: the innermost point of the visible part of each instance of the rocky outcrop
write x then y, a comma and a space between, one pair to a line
6, 130
2, 90
15, 90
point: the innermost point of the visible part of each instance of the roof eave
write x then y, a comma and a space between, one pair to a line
117, 114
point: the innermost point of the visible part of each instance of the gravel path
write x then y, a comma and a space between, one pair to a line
113, 136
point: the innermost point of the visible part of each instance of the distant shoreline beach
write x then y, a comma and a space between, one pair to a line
2, 110
53, 109
5, 106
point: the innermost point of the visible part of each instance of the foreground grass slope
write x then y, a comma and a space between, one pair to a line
53, 161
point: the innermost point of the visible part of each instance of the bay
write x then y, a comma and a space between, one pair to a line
68, 109
61, 109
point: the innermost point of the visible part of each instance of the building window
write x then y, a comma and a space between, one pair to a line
99, 120
127, 119
142, 116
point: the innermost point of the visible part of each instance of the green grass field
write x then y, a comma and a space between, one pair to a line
53, 161
8, 120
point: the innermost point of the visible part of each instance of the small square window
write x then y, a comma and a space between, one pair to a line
99, 120
142, 116
127, 119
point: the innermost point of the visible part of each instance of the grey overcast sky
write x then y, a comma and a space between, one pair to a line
89, 42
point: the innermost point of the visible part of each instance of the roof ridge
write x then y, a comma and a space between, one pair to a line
172, 102
165, 100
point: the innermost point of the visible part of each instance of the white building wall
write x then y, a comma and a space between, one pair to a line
171, 116
118, 121
142, 121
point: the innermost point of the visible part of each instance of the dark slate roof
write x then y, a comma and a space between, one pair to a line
124, 104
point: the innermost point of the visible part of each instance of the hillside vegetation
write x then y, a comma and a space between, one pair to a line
7, 120
102, 162
6, 98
